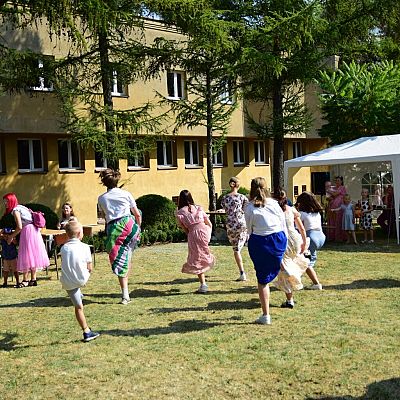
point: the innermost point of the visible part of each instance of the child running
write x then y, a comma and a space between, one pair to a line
266, 225
196, 224
310, 216
366, 217
76, 266
9, 255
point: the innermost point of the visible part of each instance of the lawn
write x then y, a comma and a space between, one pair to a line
339, 343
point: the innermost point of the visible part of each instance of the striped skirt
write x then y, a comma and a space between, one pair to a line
122, 238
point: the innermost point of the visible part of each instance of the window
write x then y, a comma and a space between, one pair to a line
30, 155
165, 153
226, 95
192, 153
238, 152
377, 183
118, 89
69, 155
136, 158
175, 84
100, 161
297, 149
218, 158
42, 82
259, 152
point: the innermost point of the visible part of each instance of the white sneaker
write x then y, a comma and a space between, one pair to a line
125, 301
242, 277
317, 286
263, 320
203, 288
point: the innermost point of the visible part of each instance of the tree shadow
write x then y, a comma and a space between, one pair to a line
377, 247
174, 282
366, 284
183, 326
388, 389
7, 342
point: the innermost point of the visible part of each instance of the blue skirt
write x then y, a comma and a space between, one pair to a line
266, 252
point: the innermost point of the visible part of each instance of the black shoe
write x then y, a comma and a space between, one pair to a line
286, 304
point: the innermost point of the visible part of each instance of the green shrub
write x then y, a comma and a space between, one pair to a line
98, 240
158, 220
50, 216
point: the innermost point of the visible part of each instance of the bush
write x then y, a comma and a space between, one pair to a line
98, 240
158, 220
50, 216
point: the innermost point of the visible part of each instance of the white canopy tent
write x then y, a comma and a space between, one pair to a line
366, 149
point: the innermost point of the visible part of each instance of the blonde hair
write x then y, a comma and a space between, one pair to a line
73, 229
259, 192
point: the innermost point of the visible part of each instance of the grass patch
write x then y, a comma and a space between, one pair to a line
341, 343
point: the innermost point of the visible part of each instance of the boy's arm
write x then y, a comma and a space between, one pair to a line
90, 266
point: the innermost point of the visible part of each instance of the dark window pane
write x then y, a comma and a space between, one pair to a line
170, 84
219, 158
75, 155
37, 154
23, 154
179, 85
160, 153
195, 153
187, 152
99, 160
168, 146
63, 154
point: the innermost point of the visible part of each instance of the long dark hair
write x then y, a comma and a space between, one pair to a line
308, 203
281, 197
185, 199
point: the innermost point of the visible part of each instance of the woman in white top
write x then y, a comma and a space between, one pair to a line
310, 214
123, 228
266, 225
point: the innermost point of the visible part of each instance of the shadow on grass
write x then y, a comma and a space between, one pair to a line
388, 389
137, 293
183, 326
215, 306
366, 284
7, 341
174, 282
377, 247
46, 302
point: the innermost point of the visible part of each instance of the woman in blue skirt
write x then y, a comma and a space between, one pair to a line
266, 225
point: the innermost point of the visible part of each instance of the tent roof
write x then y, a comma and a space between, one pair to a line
366, 149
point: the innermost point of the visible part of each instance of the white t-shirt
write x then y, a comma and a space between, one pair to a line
266, 219
75, 256
116, 203
25, 213
311, 221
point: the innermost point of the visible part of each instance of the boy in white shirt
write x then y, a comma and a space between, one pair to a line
76, 267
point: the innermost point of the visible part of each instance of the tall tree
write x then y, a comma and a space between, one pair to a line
208, 54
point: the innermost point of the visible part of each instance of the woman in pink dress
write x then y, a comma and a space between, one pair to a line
196, 224
336, 232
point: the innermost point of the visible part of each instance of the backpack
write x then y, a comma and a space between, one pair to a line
38, 219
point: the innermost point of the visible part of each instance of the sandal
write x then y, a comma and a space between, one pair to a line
4, 285
24, 284
20, 285
32, 283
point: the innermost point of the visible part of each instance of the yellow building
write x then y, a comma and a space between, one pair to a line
41, 164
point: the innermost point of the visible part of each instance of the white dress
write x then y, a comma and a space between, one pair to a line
294, 264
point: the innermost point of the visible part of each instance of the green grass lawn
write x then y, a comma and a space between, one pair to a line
339, 343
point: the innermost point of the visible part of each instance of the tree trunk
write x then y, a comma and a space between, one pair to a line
210, 169
278, 132
107, 86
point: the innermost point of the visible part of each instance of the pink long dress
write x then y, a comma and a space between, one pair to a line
336, 233
199, 258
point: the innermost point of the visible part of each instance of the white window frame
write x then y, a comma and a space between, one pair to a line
96, 168
238, 158
136, 163
42, 87
297, 148
192, 153
165, 157
176, 91
69, 150
115, 91
258, 145
31, 156
215, 158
